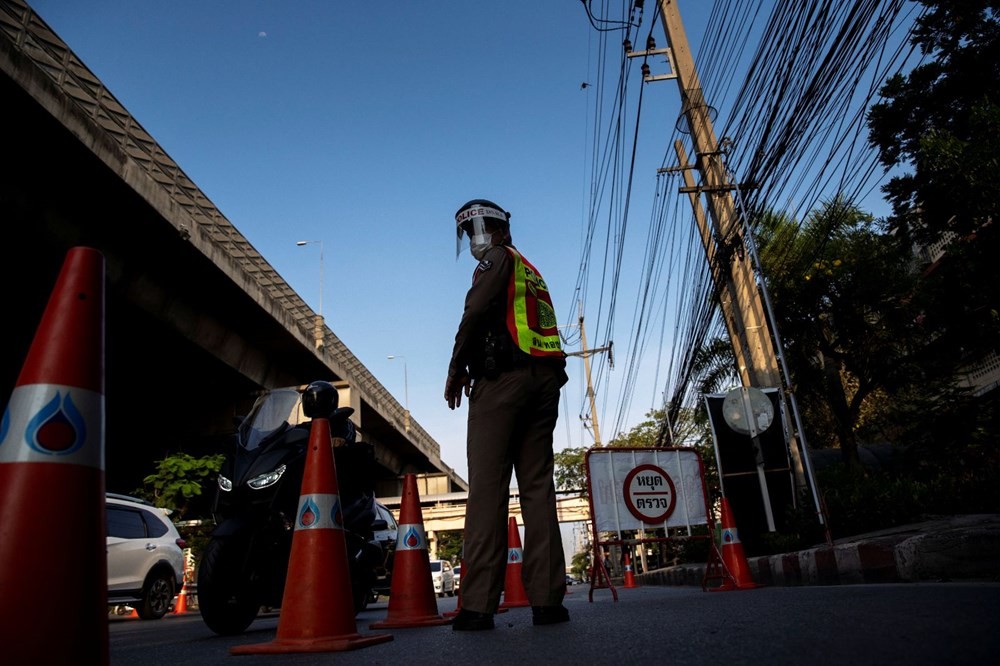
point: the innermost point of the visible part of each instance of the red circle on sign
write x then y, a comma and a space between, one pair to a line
650, 500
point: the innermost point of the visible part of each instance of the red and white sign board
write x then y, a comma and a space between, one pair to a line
634, 489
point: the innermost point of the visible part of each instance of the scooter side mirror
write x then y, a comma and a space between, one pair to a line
341, 413
379, 525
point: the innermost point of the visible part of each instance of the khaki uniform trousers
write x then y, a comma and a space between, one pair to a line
511, 420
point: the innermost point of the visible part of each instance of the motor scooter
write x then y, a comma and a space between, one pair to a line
245, 562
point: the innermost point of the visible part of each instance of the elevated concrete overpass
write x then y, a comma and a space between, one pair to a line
196, 319
445, 512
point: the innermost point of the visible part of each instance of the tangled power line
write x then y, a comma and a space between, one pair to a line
790, 84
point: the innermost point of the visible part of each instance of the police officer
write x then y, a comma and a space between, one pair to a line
509, 362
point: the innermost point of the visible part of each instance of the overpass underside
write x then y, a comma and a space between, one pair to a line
196, 319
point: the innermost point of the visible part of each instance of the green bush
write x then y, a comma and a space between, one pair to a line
860, 500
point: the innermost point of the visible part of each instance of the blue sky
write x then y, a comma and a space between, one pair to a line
365, 125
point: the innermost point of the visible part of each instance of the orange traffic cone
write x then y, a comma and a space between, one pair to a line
317, 609
629, 576
514, 595
736, 570
52, 464
182, 601
411, 594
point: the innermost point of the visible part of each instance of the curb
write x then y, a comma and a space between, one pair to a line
958, 548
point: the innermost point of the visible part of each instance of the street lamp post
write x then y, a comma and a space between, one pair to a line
406, 391
318, 332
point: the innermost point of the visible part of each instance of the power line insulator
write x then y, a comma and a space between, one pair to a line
650, 43
645, 70
628, 45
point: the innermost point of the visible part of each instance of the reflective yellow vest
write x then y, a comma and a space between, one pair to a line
531, 319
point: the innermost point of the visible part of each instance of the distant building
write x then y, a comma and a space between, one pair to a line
980, 377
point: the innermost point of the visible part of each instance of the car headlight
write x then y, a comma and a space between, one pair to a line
268, 479
225, 483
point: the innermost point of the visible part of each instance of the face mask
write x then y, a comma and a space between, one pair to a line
479, 245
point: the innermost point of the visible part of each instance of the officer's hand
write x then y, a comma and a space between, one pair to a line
454, 387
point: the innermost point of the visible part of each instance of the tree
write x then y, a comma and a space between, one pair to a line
179, 480
840, 287
642, 436
715, 366
580, 565
939, 126
570, 469
449, 545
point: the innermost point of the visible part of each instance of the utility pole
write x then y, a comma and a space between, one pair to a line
586, 354
741, 304
721, 232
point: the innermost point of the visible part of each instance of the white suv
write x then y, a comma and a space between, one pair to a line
145, 556
443, 578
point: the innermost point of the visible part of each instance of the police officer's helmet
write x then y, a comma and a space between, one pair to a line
474, 222
483, 208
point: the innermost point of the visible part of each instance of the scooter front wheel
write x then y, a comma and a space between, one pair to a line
228, 603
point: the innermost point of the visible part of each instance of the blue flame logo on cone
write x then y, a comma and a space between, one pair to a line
413, 539
58, 428
309, 515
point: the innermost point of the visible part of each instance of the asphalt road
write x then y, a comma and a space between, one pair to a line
920, 623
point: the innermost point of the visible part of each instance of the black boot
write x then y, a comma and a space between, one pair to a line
467, 620
549, 614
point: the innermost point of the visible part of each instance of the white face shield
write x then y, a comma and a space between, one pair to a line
470, 225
